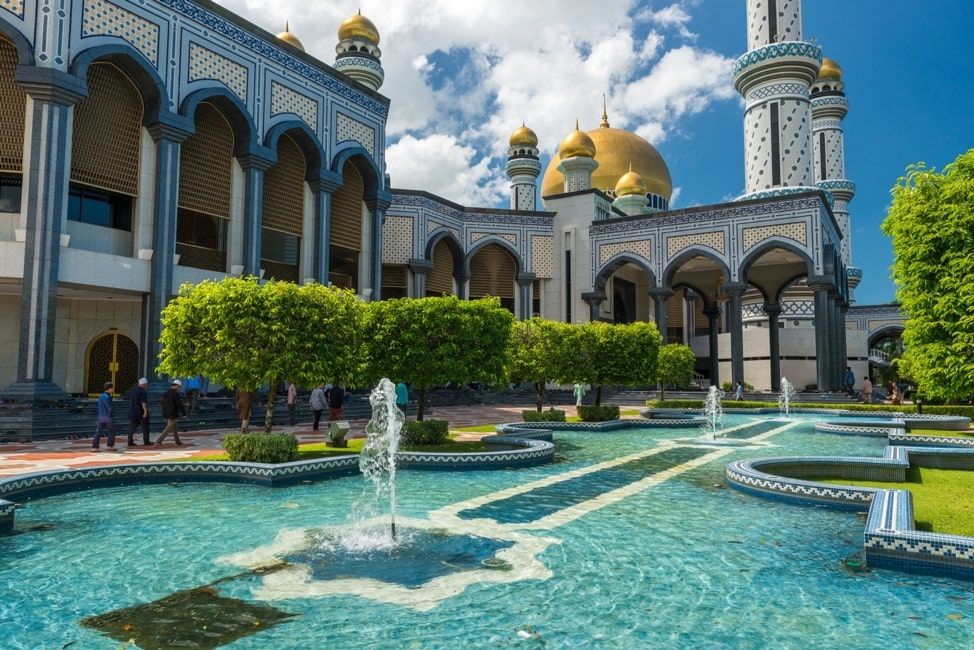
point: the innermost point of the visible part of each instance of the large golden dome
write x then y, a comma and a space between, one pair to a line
615, 150
358, 26
830, 70
523, 137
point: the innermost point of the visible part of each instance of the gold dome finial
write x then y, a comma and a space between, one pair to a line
605, 115
577, 145
290, 38
830, 70
360, 27
630, 184
523, 137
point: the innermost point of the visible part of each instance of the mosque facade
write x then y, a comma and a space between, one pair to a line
147, 144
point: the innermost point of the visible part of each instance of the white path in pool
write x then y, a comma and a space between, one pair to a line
296, 580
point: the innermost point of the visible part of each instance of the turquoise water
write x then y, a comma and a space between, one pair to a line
673, 559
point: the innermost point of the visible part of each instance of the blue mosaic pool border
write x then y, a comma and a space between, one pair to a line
890, 539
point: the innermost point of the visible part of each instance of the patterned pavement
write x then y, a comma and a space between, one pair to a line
24, 458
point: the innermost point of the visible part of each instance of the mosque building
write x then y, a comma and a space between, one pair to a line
230, 151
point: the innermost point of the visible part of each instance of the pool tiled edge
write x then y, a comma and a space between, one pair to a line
890, 539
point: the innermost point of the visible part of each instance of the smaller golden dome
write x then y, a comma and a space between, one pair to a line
577, 144
631, 184
290, 38
524, 137
830, 70
358, 26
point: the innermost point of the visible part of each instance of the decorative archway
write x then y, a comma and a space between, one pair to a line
111, 356
493, 271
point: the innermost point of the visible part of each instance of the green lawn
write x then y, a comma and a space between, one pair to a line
943, 499
941, 432
310, 450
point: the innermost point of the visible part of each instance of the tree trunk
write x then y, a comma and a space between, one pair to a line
661, 396
539, 387
269, 414
421, 403
598, 395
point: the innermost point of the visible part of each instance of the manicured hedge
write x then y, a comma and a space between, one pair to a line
966, 410
425, 432
551, 415
853, 406
598, 413
261, 447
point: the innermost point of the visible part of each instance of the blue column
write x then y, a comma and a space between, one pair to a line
773, 310
420, 269
735, 325
713, 319
823, 364
322, 190
659, 296
254, 168
47, 169
169, 133
379, 217
524, 283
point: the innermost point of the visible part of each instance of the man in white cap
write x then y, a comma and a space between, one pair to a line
172, 410
139, 413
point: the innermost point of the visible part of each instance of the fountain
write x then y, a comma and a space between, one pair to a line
713, 410
785, 396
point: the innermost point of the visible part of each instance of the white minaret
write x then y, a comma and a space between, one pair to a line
829, 108
523, 168
357, 53
774, 78
577, 153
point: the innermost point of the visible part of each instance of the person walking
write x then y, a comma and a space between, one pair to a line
292, 401
172, 410
579, 394
193, 394
850, 382
336, 402
245, 402
139, 413
739, 392
402, 395
317, 404
105, 421
867, 390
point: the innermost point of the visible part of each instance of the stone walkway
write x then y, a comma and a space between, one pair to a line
24, 458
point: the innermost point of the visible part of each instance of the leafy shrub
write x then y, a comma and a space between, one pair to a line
965, 410
726, 386
845, 406
598, 413
551, 415
425, 432
261, 447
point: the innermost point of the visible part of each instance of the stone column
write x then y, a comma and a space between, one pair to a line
823, 364
773, 310
46, 173
378, 208
594, 300
169, 133
735, 325
689, 302
321, 190
843, 341
713, 317
524, 283
254, 167
659, 296
420, 268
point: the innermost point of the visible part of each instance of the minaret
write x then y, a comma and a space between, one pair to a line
523, 168
577, 153
358, 53
829, 108
630, 193
774, 78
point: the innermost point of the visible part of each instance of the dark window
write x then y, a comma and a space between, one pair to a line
280, 247
772, 21
203, 230
10, 193
568, 286
775, 147
821, 155
100, 208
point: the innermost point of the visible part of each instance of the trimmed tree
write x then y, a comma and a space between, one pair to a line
429, 342
675, 367
614, 355
243, 335
538, 351
931, 222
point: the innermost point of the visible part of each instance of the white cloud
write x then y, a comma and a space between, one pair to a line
544, 62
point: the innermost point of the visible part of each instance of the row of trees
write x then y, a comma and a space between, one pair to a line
244, 334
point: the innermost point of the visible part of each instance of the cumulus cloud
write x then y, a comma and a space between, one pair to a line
463, 76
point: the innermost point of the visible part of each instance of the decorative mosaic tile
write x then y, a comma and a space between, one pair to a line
477, 236
286, 100
643, 248
16, 7
351, 129
100, 17
795, 231
397, 240
776, 51
713, 239
207, 64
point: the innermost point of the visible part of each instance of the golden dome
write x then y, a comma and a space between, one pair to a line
358, 26
830, 70
524, 137
616, 150
290, 38
577, 144
631, 184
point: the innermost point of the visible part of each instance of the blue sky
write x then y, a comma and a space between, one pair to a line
462, 76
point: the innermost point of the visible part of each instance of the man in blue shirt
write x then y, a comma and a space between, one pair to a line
402, 395
105, 420
139, 413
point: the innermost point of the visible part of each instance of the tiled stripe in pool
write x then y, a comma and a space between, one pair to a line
544, 501
754, 430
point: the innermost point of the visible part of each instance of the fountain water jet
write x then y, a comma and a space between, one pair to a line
713, 410
785, 396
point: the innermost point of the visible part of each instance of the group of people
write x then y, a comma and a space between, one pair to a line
172, 410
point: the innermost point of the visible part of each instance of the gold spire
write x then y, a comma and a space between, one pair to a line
605, 115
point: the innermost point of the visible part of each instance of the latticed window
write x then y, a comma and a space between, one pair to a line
439, 281
492, 273
346, 211
12, 106
283, 212
394, 281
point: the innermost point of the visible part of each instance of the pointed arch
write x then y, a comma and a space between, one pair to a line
306, 139
136, 67
236, 112
617, 262
673, 266
772, 244
25, 53
366, 166
493, 239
